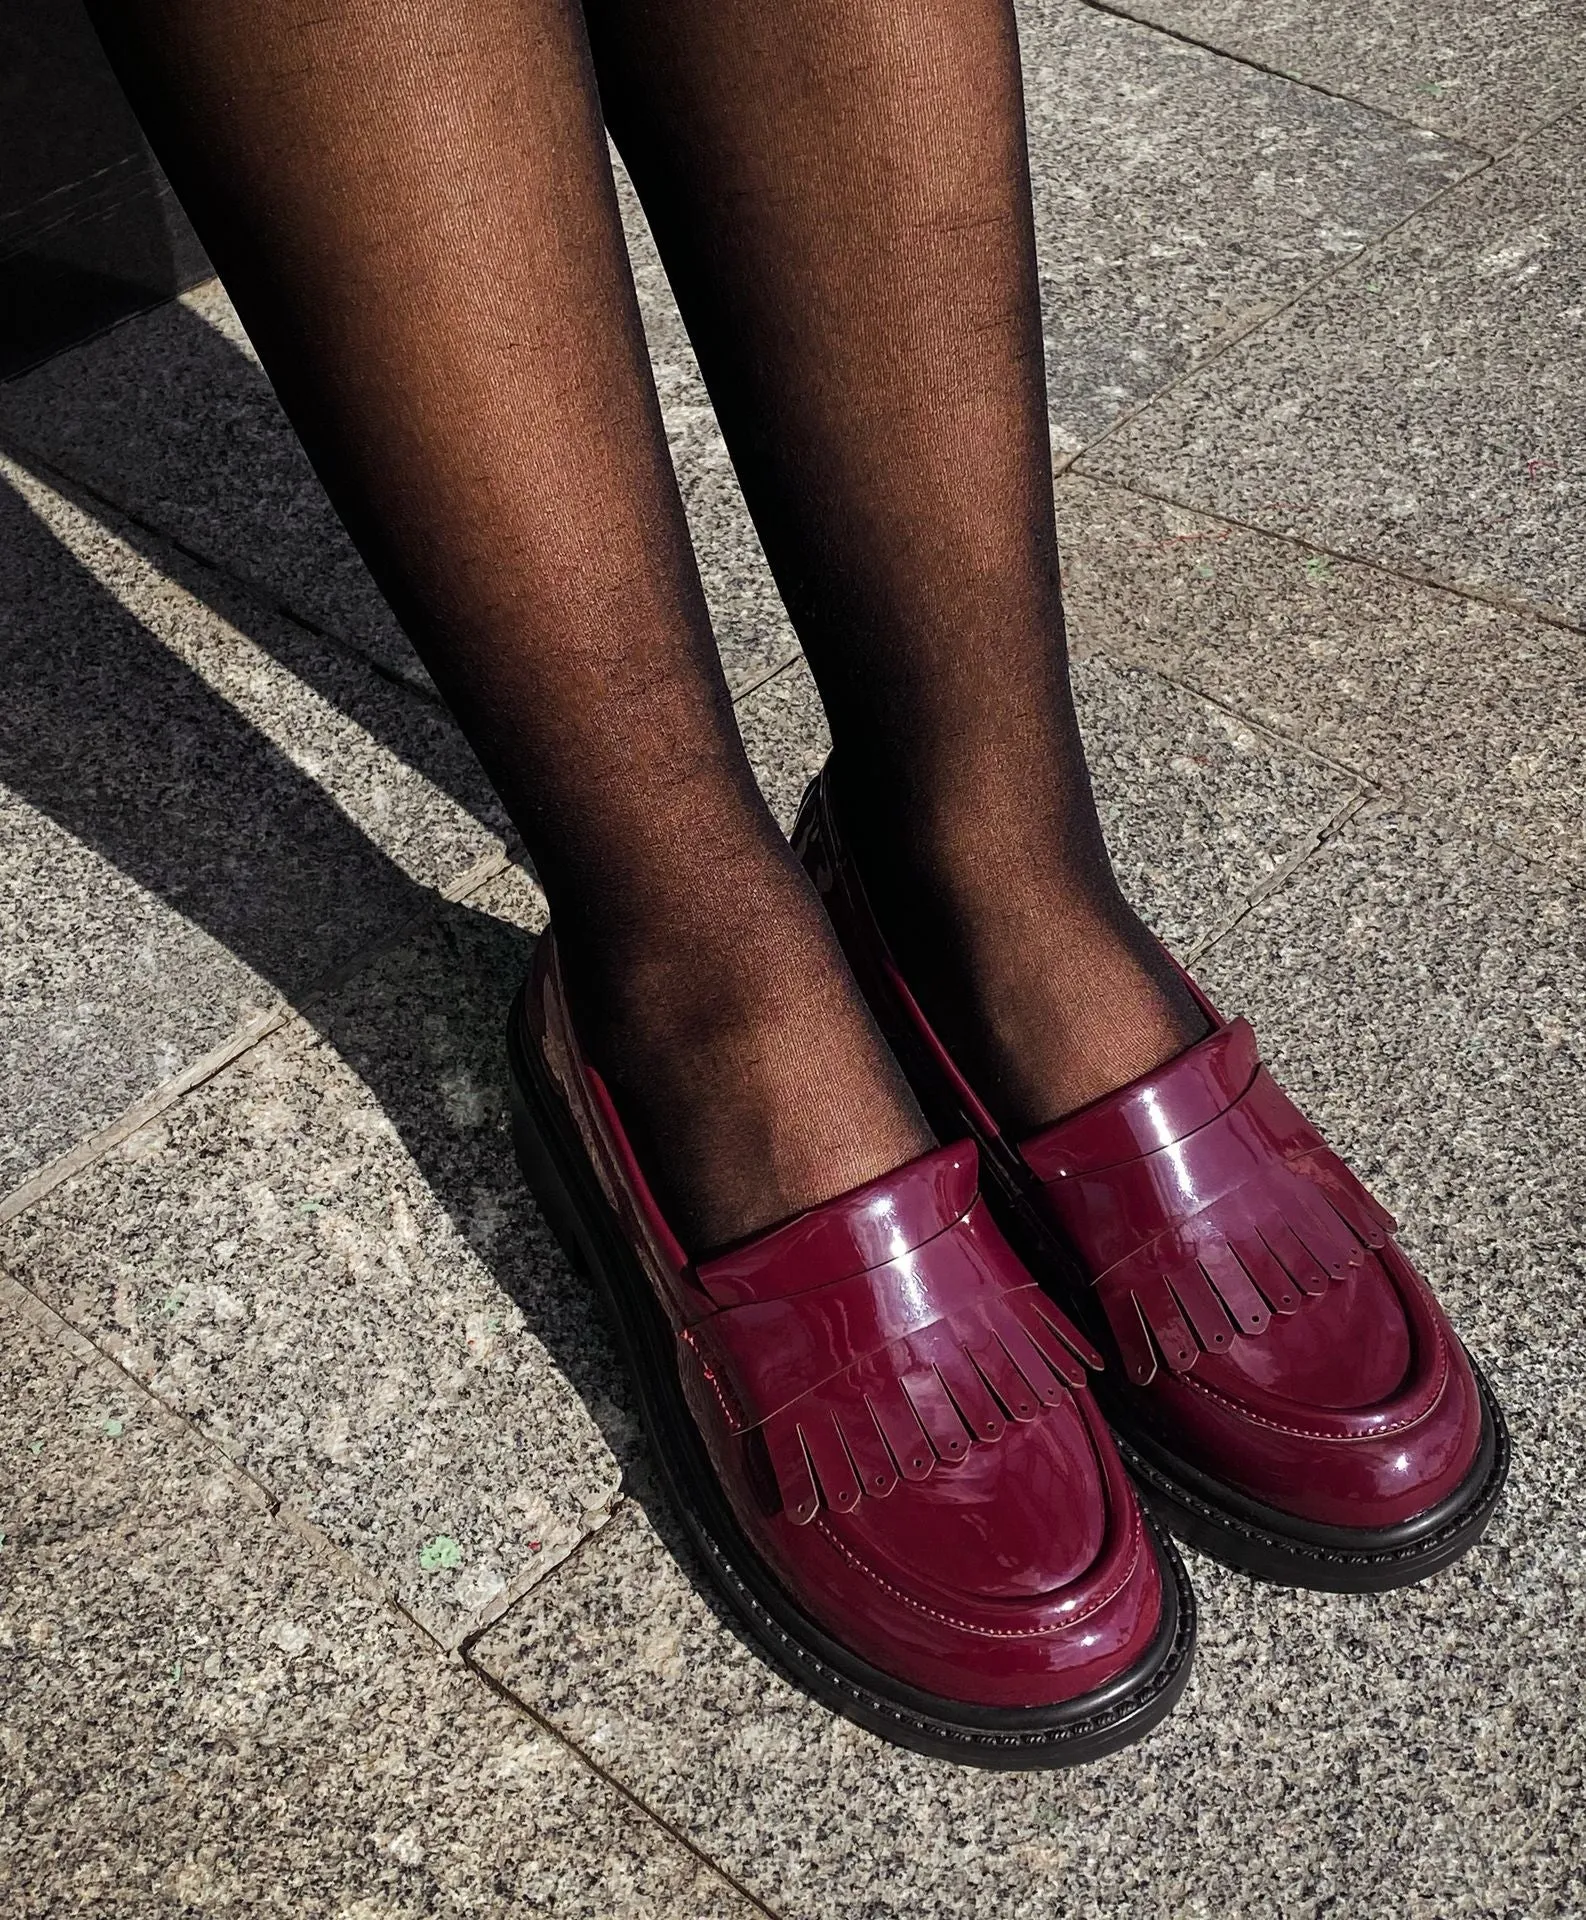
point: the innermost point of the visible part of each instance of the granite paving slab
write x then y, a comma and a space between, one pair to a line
1180, 198
199, 1714
1472, 708
1200, 809
171, 418
1416, 1753
200, 817
325, 1258
1424, 408
1474, 71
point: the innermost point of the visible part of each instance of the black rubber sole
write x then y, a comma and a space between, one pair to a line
1270, 1545
574, 1207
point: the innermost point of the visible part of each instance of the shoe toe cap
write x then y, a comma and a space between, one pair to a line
1024, 1576
1360, 1411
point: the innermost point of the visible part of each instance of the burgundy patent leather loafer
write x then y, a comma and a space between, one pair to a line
876, 1428
1283, 1384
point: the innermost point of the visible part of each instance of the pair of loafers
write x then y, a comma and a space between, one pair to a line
931, 1437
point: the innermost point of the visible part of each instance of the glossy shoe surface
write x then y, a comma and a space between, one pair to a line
878, 1431
1284, 1384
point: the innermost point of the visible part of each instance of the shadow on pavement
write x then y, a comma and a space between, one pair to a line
109, 734
89, 230
117, 740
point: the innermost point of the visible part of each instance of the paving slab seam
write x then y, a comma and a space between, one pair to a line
87, 498
95, 210
529, 1581
788, 666
480, 1623
764, 679
640, 1806
19, 374
1459, 590
1484, 162
1262, 729
54, 1173
1372, 787
1410, 805
76, 1341
87, 1152
1072, 462
1276, 73
338, 1560
80, 215
1285, 871
71, 186
277, 1510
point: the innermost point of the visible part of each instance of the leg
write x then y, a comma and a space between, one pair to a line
410, 203
409, 200
840, 192
838, 186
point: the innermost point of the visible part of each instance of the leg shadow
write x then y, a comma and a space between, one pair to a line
111, 736
89, 230
172, 412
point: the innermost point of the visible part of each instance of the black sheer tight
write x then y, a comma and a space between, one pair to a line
840, 191
410, 204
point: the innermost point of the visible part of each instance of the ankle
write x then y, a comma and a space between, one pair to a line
1041, 980
743, 1061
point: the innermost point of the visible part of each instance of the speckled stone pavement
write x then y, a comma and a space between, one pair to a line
332, 1579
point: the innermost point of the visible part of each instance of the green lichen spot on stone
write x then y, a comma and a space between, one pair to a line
443, 1551
114, 1429
35, 1446
1318, 567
